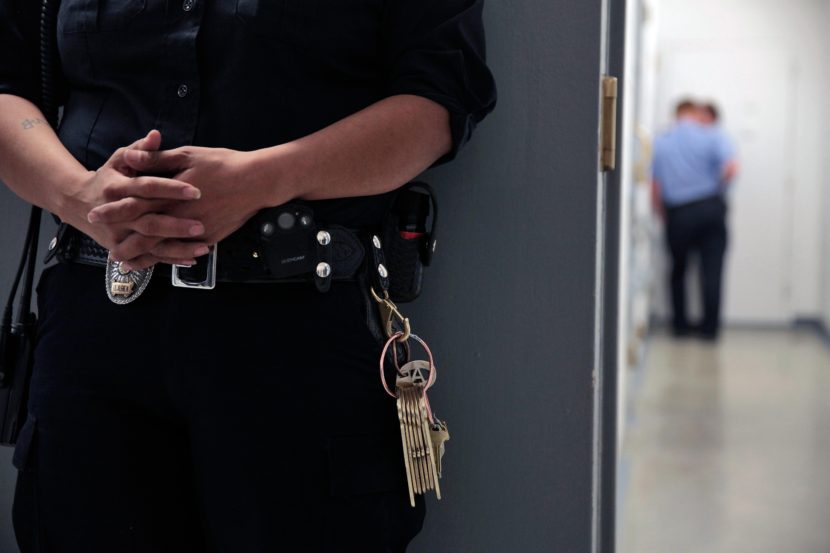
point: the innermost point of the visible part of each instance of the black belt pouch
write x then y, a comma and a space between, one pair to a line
409, 239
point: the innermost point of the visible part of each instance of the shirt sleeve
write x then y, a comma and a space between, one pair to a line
436, 49
656, 161
19, 48
724, 149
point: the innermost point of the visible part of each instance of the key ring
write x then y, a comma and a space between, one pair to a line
433, 373
407, 351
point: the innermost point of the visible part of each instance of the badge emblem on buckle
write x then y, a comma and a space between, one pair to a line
201, 276
124, 287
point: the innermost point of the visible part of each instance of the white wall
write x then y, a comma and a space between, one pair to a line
795, 31
635, 271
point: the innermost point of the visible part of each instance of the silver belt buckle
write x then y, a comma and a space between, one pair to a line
185, 280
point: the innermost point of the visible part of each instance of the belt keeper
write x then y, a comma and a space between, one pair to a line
59, 244
380, 274
323, 271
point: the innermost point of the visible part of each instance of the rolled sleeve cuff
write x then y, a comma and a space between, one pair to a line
446, 79
28, 92
462, 122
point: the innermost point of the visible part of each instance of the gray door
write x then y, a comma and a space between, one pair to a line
521, 304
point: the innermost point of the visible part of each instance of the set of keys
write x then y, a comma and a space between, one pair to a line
422, 434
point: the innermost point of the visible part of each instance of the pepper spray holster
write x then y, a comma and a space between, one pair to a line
409, 239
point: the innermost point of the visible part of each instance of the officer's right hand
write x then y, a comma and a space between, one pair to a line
115, 181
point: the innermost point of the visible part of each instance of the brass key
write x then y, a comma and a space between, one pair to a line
439, 435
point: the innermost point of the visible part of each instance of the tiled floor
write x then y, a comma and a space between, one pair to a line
728, 446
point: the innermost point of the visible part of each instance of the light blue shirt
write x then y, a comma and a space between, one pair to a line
689, 160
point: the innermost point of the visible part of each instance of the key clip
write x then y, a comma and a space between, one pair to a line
389, 313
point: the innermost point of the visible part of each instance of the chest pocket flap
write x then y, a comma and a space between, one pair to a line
90, 16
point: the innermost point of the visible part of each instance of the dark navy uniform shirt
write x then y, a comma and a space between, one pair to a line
248, 74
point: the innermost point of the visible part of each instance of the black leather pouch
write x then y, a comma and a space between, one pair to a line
17, 338
15, 374
409, 239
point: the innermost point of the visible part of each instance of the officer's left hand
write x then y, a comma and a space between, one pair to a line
229, 195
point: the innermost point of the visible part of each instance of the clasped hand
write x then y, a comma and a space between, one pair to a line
144, 220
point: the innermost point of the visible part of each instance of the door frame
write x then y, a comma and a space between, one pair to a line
607, 330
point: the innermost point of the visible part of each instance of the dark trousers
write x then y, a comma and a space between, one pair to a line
697, 228
249, 418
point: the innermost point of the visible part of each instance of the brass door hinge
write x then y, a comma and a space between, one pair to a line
608, 129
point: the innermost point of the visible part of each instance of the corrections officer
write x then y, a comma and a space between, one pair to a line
248, 418
693, 163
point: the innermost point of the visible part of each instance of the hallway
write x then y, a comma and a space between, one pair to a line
726, 446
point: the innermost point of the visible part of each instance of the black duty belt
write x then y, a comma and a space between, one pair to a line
277, 245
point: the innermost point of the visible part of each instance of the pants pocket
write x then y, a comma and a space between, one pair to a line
25, 518
365, 463
368, 509
23, 451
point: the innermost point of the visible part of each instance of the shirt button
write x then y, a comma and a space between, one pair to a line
187, 5
182, 92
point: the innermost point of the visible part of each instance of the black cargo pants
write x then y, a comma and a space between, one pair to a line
249, 418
